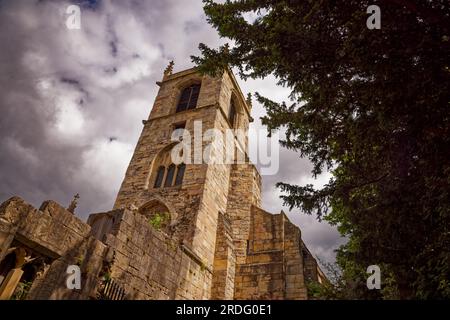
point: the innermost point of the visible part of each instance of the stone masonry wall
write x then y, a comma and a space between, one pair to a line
147, 262
245, 192
311, 270
273, 264
60, 238
224, 262
295, 284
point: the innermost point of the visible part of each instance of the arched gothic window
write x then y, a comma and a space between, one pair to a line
169, 176
158, 215
180, 174
159, 176
188, 98
165, 173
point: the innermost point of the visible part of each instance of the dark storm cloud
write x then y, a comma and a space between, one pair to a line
24, 117
72, 101
58, 112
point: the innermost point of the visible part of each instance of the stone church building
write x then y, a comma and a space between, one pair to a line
176, 231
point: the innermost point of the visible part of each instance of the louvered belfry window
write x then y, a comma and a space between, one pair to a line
188, 98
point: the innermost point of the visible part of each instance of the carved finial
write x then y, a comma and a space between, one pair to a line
249, 99
169, 69
73, 204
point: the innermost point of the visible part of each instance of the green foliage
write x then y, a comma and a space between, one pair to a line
350, 283
315, 290
371, 106
158, 220
22, 290
107, 276
347, 284
80, 260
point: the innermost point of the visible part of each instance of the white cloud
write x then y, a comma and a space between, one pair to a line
102, 161
69, 118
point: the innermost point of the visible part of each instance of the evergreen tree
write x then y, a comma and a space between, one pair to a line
370, 105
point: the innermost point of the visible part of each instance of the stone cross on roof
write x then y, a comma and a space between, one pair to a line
73, 204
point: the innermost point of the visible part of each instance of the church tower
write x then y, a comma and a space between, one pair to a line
192, 194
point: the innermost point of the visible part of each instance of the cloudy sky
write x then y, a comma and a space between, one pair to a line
72, 101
